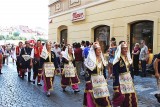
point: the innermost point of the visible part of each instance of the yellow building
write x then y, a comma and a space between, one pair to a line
130, 20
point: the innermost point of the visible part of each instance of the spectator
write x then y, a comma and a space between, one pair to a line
78, 58
57, 51
82, 45
112, 50
135, 54
157, 75
86, 49
143, 57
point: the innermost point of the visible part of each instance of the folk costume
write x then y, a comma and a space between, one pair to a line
27, 54
36, 61
1, 58
96, 90
49, 64
69, 73
124, 91
19, 66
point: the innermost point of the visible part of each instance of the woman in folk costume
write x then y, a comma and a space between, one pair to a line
69, 74
124, 91
49, 64
96, 91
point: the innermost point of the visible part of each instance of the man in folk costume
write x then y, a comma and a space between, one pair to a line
49, 64
124, 91
37, 71
18, 51
96, 91
69, 74
27, 54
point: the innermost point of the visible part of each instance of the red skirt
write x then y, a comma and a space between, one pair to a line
68, 81
90, 101
124, 100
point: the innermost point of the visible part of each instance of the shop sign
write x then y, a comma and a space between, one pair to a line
78, 15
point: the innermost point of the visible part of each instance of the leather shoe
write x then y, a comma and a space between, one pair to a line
39, 84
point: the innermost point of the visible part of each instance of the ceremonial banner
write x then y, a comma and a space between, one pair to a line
126, 84
89, 64
44, 55
49, 69
26, 57
69, 70
100, 92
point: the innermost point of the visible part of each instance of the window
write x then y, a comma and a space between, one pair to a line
63, 36
142, 30
102, 34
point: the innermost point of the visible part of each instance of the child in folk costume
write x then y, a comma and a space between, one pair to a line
124, 91
69, 74
96, 91
49, 64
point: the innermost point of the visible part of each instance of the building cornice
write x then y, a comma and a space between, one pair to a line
81, 7
52, 3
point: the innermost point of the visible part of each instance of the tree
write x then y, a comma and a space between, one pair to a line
16, 34
1, 37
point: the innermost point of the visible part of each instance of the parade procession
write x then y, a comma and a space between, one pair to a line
80, 53
39, 63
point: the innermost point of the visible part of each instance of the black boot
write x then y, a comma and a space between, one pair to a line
0, 71
29, 77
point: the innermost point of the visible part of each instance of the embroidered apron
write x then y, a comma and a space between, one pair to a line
126, 84
69, 69
49, 68
99, 84
26, 57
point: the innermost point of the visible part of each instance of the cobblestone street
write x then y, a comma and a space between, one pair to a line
15, 92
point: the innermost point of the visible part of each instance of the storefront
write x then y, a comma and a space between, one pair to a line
132, 21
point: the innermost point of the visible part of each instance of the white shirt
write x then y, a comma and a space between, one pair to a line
144, 53
57, 51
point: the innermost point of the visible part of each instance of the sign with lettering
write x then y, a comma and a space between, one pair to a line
78, 15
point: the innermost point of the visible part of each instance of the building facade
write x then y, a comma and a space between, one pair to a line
99, 20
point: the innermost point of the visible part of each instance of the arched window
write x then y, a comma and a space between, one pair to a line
63, 35
102, 34
142, 30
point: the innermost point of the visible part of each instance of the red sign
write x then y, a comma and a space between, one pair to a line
78, 15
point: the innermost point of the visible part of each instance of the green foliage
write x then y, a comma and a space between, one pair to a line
1, 37
16, 34
44, 40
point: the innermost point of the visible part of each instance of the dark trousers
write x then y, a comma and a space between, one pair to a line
143, 64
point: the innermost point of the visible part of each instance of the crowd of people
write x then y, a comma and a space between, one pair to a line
87, 60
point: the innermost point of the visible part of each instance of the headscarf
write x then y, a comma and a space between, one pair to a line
44, 53
118, 53
65, 54
91, 60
